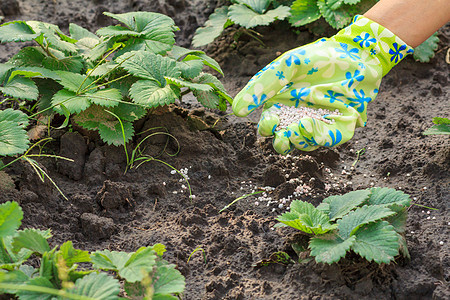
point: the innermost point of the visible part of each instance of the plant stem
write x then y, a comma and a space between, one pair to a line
95, 67
195, 250
239, 198
358, 155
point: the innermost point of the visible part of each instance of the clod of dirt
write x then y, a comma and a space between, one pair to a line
95, 227
10, 7
157, 189
6, 182
95, 167
284, 190
113, 195
273, 176
74, 147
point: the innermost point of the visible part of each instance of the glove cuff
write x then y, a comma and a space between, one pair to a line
379, 42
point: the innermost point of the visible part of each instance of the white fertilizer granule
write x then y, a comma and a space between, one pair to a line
291, 114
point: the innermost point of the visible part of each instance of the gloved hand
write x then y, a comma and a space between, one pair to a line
339, 73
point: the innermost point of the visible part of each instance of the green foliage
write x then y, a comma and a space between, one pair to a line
425, 51
245, 13
337, 13
143, 273
369, 222
304, 12
13, 137
218, 21
442, 127
98, 75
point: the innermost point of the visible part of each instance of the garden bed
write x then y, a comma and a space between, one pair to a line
225, 159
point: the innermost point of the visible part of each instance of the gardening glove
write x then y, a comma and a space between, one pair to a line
339, 73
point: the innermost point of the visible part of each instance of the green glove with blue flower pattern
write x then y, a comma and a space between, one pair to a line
339, 73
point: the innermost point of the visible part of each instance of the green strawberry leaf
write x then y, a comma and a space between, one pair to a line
10, 259
155, 31
191, 85
334, 4
219, 89
341, 205
13, 139
74, 82
190, 69
109, 260
351, 222
71, 255
398, 221
47, 88
4, 71
54, 37
129, 112
206, 60
15, 277
35, 72
103, 69
130, 266
97, 286
11, 216
304, 12
388, 197
150, 66
114, 31
217, 22
305, 217
336, 18
178, 52
108, 126
78, 32
20, 88
169, 280
208, 99
73, 102
106, 97
425, 51
403, 246
377, 241
16, 116
32, 295
151, 94
259, 6
330, 249
28, 56
71, 64
241, 14
16, 31
30, 239
24, 74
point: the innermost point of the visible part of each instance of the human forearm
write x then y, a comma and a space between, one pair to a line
411, 20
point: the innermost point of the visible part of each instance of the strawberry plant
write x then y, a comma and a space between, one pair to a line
245, 13
143, 273
369, 222
109, 79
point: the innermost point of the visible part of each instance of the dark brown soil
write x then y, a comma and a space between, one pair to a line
107, 208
